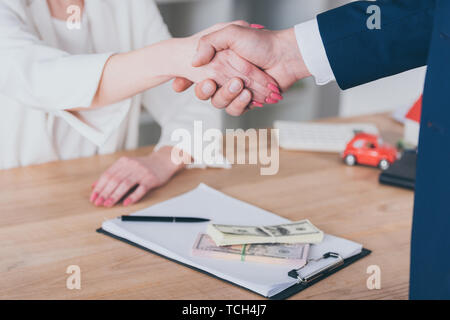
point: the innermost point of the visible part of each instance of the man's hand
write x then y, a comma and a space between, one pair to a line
241, 83
276, 52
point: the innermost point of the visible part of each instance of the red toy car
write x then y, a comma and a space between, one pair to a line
369, 149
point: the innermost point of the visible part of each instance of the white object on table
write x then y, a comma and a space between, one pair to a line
322, 137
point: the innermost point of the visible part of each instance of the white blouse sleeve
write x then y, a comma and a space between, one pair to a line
40, 76
46, 78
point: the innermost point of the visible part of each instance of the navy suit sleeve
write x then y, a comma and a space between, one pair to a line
359, 55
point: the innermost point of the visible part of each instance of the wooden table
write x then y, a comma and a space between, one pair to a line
48, 224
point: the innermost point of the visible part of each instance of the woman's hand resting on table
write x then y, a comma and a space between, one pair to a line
139, 175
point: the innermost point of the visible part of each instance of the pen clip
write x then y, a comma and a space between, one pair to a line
319, 272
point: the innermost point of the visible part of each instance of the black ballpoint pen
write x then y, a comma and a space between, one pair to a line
163, 219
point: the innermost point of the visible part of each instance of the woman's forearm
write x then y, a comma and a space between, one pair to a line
128, 74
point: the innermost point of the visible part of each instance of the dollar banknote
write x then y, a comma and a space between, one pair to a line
296, 232
286, 254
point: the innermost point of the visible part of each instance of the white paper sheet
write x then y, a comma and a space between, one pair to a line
175, 240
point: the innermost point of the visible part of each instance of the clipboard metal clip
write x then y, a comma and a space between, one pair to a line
319, 272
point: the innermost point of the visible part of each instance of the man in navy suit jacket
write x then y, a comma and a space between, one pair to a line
413, 33
340, 44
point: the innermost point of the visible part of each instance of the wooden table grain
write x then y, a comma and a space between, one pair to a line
48, 224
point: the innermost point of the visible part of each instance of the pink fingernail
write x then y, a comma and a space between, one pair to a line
109, 202
271, 101
93, 197
127, 202
99, 201
276, 96
273, 88
257, 104
256, 26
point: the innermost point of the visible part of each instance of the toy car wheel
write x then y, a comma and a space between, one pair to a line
350, 160
384, 164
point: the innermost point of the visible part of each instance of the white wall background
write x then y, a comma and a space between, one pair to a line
396, 92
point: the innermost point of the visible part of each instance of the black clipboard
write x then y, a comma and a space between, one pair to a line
289, 292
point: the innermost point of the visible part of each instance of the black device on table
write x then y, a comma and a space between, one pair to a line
402, 173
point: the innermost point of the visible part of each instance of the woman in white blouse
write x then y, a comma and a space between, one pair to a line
69, 93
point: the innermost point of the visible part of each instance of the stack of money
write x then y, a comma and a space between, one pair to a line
286, 254
296, 232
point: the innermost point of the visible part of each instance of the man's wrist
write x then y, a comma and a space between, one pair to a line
290, 54
313, 51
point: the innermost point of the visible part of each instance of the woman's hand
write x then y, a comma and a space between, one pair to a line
230, 70
144, 173
226, 69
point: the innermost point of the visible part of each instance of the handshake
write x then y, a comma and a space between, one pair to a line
245, 66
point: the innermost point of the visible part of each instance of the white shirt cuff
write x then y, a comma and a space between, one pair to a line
97, 125
313, 51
